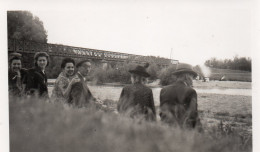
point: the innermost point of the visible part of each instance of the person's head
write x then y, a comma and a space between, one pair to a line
67, 66
138, 74
185, 72
84, 67
15, 63
41, 59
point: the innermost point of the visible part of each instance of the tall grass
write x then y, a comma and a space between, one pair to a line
41, 126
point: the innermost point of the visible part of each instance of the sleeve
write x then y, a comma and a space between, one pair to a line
75, 93
29, 80
62, 85
152, 103
192, 111
120, 102
163, 98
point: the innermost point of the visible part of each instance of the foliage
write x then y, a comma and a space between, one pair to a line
40, 126
166, 76
119, 73
22, 25
153, 70
238, 63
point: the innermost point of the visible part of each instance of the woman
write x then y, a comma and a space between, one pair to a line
16, 75
136, 100
36, 83
65, 80
178, 101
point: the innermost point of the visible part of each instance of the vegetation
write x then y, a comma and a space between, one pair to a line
40, 126
166, 76
238, 63
22, 25
230, 75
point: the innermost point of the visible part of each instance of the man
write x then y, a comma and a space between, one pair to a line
16, 75
80, 94
136, 100
178, 102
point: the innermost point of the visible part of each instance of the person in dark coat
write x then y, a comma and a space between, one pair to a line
136, 100
80, 95
178, 101
16, 75
36, 84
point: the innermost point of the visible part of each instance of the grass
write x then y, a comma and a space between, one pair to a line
41, 126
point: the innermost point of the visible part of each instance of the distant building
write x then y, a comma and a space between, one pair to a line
174, 61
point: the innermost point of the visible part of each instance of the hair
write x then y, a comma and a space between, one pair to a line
65, 61
137, 78
14, 58
186, 77
81, 63
40, 54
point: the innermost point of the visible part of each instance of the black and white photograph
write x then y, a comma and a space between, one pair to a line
129, 76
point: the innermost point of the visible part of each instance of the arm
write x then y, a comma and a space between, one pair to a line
191, 113
120, 102
62, 86
152, 103
19, 81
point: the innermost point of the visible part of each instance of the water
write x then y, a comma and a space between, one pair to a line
113, 92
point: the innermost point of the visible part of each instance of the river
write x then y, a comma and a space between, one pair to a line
113, 92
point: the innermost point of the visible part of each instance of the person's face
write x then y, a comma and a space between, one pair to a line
85, 68
42, 62
190, 78
69, 69
16, 65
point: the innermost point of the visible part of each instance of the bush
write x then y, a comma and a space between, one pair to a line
153, 70
119, 73
166, 76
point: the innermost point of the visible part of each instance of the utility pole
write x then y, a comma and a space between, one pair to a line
171, 54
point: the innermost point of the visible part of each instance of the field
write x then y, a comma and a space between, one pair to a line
40, 126
230, 75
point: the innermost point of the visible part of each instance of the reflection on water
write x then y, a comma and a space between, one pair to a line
113, 93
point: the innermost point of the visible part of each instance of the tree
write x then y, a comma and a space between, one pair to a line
23, 25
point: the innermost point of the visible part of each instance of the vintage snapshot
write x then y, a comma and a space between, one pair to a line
161, 76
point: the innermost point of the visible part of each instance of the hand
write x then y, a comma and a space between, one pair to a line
74, 80
18, 73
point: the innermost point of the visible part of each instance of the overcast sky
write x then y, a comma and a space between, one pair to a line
193, 31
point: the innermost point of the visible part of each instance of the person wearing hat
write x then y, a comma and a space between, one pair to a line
36, 84
178, 101
16, 75
136, 100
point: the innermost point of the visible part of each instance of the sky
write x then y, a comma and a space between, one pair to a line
186, 31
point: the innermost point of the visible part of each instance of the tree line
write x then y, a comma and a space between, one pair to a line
237, 63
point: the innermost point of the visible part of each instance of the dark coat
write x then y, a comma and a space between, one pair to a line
80, 95
137, 100
36, 83
178, 105
12, 82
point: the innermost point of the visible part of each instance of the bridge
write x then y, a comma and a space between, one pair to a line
31, 47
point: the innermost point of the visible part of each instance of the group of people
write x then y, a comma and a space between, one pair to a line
178, 101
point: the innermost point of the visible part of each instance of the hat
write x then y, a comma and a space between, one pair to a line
139, 70
184, 68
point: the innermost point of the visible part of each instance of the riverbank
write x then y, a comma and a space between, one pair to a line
196, 84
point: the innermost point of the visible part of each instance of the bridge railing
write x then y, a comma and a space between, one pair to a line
21, 46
